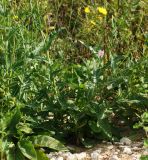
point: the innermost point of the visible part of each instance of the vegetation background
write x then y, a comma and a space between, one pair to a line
71, 71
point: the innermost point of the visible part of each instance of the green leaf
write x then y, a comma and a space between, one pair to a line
27, 149
94, 127
47, 141
24, 127
13, 121
144, 157
41, 155
146, 142
14, 153
45, 45
105, 127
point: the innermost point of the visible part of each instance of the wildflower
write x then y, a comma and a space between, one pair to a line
15, 17
87, 10
92, 22
101, 53
102, 10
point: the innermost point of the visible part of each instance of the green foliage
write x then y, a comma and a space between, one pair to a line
54, 86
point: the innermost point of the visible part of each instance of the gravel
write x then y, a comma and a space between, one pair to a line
124, 150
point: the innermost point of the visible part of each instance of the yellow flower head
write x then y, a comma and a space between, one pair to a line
87, 10
102, 10
15, 18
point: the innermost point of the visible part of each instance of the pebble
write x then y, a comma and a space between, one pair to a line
136, 149
114, 157
60, 158
110, 147
72, 157
94, 156
127, 150
125, 141
81, 156
98, 150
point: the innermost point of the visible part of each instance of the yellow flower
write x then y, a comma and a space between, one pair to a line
87, 10
92, 22
15, 18
102, 10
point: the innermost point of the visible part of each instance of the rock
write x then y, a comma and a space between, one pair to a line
60, 158
98, 150
109, 143
118, 143
114, 157
72, 157
127, 150
94, 156
53, 158
138, 144
66, 155
110, 147
136, 157
136, 149
125, 141
81, 156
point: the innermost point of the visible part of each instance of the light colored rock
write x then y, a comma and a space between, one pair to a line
53, 158
98, 150
110, 147
60, 158
94, 156
114, 157
109, 143
136, 157
81, 156
66, 155
136, 149
125, 141
127, 150
72, 157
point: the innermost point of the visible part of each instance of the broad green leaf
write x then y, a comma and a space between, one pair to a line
14, 154
94, 127
47, 141
105, 127
41, 155
24, 127
13, 121
27, 149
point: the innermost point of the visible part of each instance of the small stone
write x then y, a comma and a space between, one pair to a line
136, 149
81, 156
72, 157
53, 158
98, 150
110, 147
109, 143
114, 157
138, 144
103, 141
60, 158
118, 143
127, 150
136, 157
94, 155
125, 141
